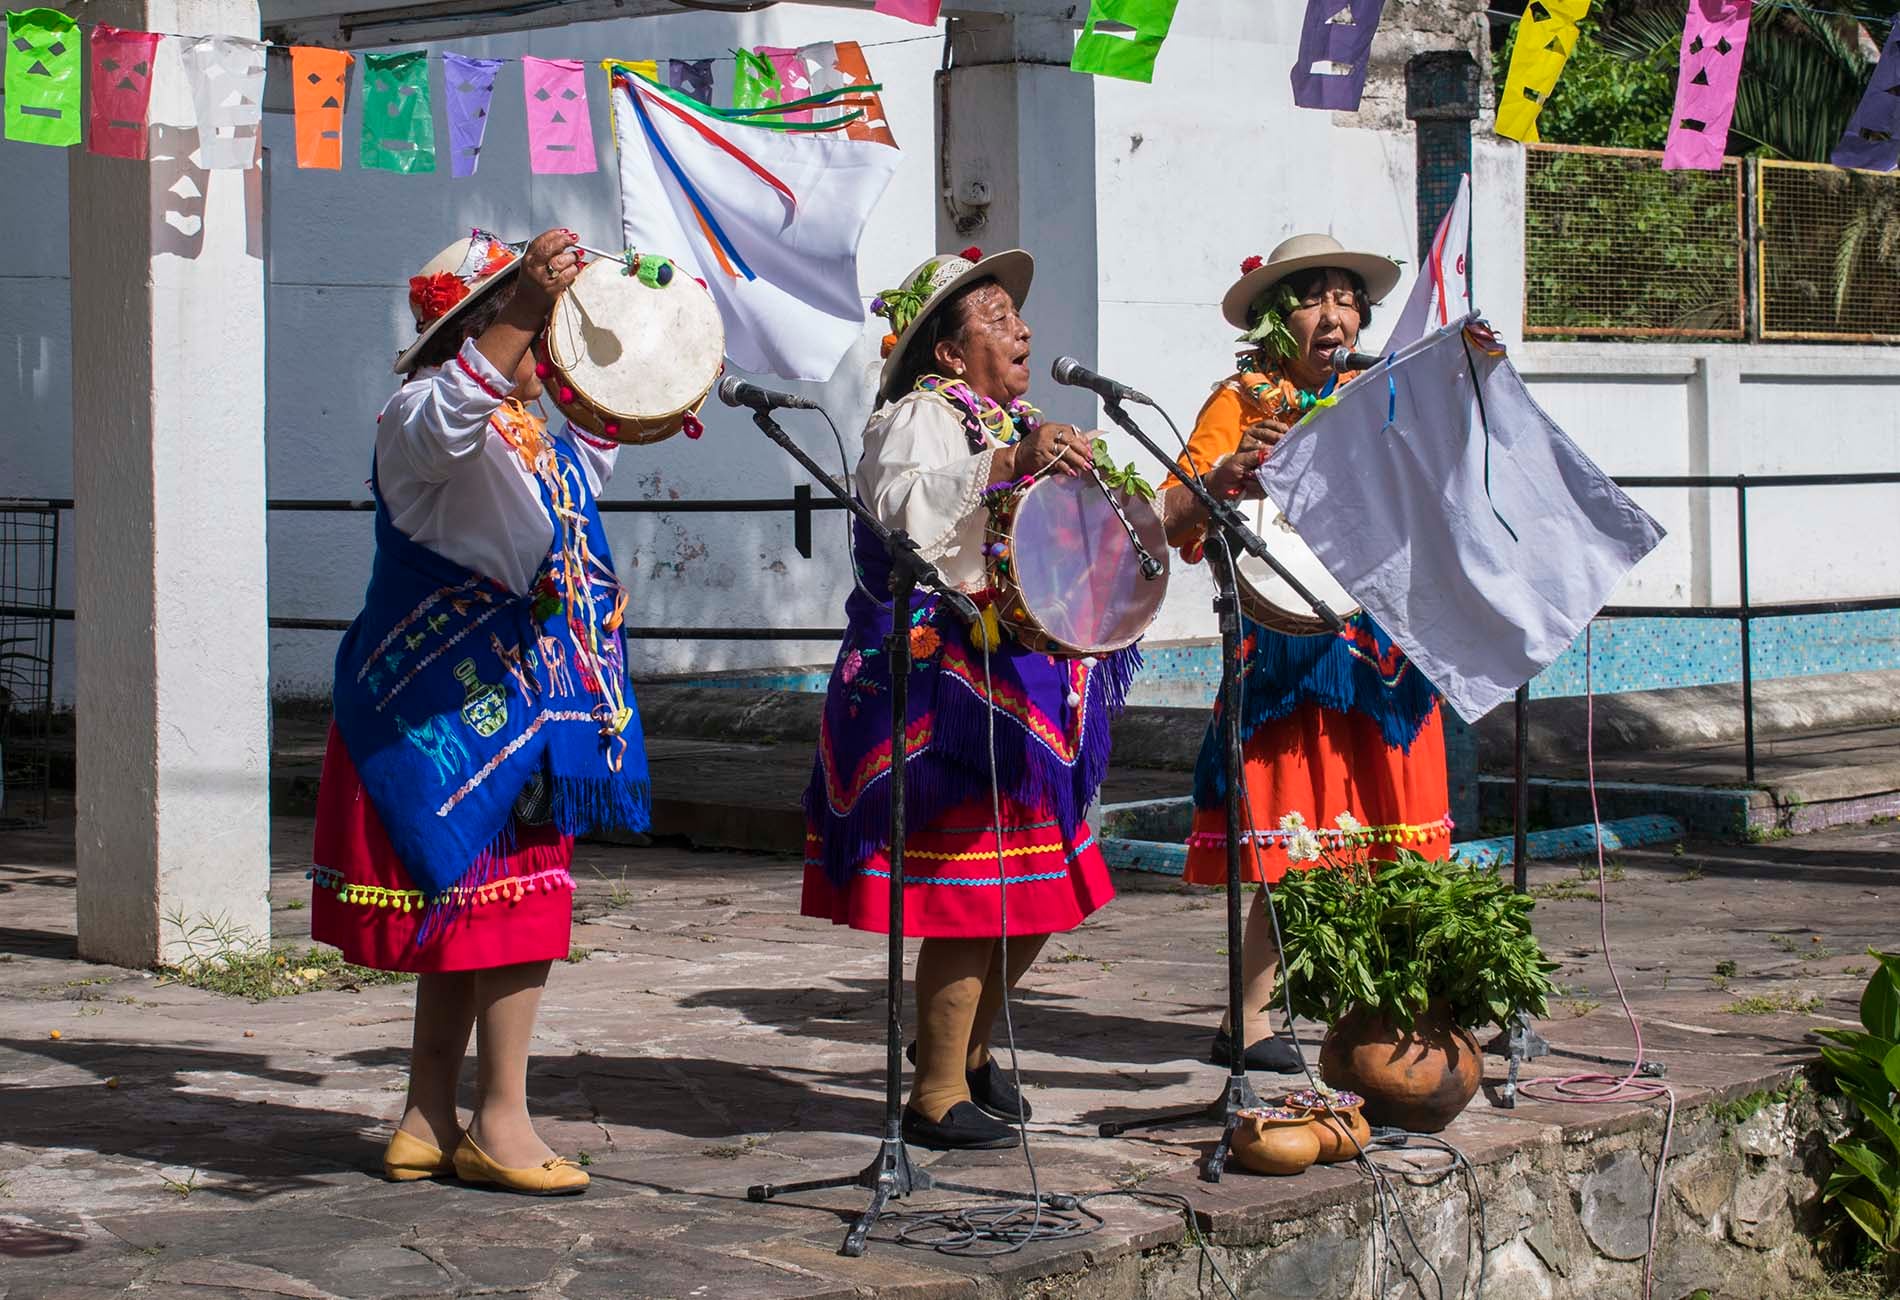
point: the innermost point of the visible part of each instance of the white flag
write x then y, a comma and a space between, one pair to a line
1459, 516
769, 219
1443, 291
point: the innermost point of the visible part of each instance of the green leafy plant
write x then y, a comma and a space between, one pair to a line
1866, 1066
1397, 936
1126, 479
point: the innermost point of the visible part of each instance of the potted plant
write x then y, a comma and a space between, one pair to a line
1403, 958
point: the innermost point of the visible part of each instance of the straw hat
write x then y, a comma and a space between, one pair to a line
454, 280
1305, 253
930, 285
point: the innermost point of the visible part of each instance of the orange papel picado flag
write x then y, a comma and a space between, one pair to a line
319, 79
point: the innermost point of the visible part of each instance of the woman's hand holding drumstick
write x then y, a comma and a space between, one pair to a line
1061, 445
548, 266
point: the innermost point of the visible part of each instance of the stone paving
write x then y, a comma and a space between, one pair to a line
161, 1139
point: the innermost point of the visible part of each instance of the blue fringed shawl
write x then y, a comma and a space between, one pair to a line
451, 693
1358, 670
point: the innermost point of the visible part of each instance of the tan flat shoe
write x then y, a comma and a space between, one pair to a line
558, 1176
408, 1158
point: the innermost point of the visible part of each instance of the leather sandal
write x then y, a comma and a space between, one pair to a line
557, 1176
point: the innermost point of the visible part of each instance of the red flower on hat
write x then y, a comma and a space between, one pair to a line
1252, 264
972, 254
433, 295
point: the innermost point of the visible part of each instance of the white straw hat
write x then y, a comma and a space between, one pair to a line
930, 285
1304, 253
454, 280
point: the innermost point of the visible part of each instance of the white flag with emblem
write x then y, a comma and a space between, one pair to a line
1443, 291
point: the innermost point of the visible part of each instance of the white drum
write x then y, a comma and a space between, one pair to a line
1265, 596
630, 361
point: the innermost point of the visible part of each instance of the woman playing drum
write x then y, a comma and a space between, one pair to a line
951, 430
1337, 728
483, 716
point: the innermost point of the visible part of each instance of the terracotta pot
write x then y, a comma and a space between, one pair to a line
1343, 1130
1419, 1079
1269, 1140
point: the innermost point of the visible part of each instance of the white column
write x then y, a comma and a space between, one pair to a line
1016, 157
168, 472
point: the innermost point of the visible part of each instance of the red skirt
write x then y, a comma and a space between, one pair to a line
363, 902
1322, 763
951, 884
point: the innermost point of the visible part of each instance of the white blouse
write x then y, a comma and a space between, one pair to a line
453, 484
918, 474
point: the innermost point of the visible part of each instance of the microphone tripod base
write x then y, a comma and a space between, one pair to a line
890, 1176
1224, 1110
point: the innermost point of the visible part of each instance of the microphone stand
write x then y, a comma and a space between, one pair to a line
890, 1173
1228, 534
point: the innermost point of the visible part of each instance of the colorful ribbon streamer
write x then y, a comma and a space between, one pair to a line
471, 85
1128, 49
1713, 38
1545, 36
794, 82
1872, 138
121, 91
398, 129
1335, 50
560, 131
42, 78
319, 81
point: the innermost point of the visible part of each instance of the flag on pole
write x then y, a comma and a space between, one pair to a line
769, 218
1458, 515
1442, 293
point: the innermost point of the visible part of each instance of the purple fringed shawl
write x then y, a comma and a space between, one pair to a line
1049, 755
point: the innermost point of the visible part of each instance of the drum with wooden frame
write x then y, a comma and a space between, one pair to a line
1267, 599
630, 354
1068, 579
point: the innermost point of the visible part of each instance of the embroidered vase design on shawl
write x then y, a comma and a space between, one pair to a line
453, 693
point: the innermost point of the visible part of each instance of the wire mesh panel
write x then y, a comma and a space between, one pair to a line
29, 558
1616, 247
1830, 253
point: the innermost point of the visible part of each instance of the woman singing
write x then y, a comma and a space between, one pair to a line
1339, 729
951, 430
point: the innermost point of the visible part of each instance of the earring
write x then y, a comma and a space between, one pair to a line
959, 370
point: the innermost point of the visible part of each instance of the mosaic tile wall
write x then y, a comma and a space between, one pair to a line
1628, 655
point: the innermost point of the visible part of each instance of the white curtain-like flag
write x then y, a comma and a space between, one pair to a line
770, 219
1459, 515
1442, 293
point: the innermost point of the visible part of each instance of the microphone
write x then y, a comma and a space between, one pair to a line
1345, 359
1067, 370
734, 391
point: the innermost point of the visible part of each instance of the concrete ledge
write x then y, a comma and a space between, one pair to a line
1687, 717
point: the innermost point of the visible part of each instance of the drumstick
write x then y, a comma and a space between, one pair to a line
1150, 567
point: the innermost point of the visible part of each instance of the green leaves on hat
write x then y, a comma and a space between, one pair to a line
1270, 311
901, 306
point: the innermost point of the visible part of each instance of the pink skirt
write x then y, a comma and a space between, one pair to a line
952, 889
363, 902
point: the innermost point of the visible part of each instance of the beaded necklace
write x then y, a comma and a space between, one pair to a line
1273, 391
982, 415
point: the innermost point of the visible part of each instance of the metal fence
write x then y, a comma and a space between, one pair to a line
29, 579
1616, 247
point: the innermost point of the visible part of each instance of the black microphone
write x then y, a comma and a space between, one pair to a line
734, 391
1345, 359
1067, 370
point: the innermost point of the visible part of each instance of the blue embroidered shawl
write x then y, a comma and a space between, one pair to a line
1358, 669
451, 692
1049, 753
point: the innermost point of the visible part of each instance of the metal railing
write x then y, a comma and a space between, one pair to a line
1616, 247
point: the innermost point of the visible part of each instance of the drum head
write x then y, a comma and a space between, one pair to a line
1265, 596
1076, 572
636, 353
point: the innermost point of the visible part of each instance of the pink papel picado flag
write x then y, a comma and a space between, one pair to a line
560, 132
1713, 38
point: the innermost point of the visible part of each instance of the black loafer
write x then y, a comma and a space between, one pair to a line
962, 1128
1273, 1055
992, 1089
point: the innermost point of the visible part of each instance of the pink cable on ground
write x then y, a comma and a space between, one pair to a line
1594, 1087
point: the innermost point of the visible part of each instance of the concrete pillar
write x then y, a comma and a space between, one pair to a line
168, 472
1443, 96
1016, 169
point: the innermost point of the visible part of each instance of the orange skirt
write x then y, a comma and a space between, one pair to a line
1321, 764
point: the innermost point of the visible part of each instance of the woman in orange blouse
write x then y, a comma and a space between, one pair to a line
1338, 730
